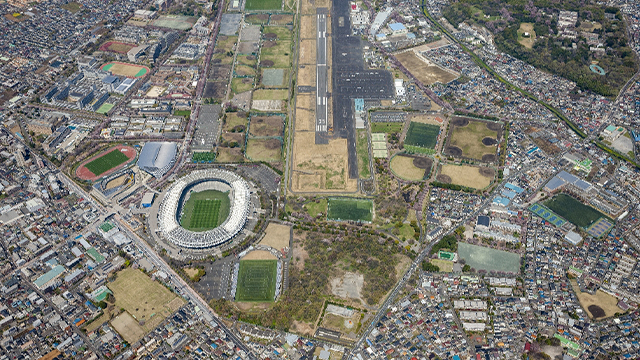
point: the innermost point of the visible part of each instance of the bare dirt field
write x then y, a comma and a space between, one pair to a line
464, 175
259, 255
128, 327
308, 26
307, 51
349, 285
428, 74
229, 155
307, 75
280, 19
264, 149
598, 306
277, 236
302, 328
299, 253
320, 167
120, 180
526, 41
266, 126
191, 272
427, 119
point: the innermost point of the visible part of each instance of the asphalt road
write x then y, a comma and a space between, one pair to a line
322, 79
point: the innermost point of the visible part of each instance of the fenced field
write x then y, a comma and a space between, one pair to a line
257, 280
350, 210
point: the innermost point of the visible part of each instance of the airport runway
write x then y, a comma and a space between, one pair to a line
321, 76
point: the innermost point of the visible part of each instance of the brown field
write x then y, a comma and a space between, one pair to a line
467, 136
308, 51
320, 167
307, 75
444, 265
428, 74
305, 120
266, 126
337, 323
277, 236
302, 328
403, 166
526, 42
465, 175
128, 327
146, 300
606, 302
308, 26
234, 119
427, 119
191, 272
244, 70
229, 155
264, 149
120, 180
280, 19
259, 255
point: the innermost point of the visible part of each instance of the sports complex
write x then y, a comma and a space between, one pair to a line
199, 224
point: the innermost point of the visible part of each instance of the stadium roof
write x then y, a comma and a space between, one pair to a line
157, 158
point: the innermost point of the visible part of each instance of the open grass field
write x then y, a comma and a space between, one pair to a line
72, 6
280, 19
386, 127
281, 32
526, 41
276, 54
252, 5
277, 236
464, 175
484, 258
116, 47
598, 306
147, 301
573, 210
422, 135
350, 210
473, 139
106, 162
426, 73
256, 280
240, 85
176, 22
266, 126
124, 69
205, 210
410, 168
263, 94
444, 265
264, 149
315, 208
105, 108
229, 155
362, 149
233, 120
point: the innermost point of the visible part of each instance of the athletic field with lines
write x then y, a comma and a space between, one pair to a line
257, 280
205, 210
106, 162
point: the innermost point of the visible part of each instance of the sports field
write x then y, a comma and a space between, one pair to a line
263, 5
117, 47
257, 280
473, 139
547, 214
104, 108
465, 175
205, 210
484, 258
573, 210
177, 22
124, 69
350, 210
106, 162
422, 135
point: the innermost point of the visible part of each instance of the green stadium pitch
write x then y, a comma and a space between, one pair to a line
106, 162
422, 135
205, 210
263, 5
257, 280
350, 210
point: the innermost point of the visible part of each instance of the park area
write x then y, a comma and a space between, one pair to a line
425, 71
422, 135
257, 5
573, 210
145, 303
473, 139
350, 210
124, 69
205, 210
105, 162
526, 35
176, 22
256, 280
412, 168
465, 175
598, 306
484, 258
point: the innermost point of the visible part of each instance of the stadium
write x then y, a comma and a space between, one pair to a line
197, 181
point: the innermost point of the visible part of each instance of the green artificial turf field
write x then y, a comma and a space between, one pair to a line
257, 280
422, 135
573, 210
350, 209
106, 162
205, 210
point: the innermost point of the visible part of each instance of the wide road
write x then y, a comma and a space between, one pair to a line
321, 79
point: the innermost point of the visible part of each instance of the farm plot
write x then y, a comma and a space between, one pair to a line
411, 168
256, 280
264, 149
473, 139
573, 210
266, 126
426, 72
350, 210
464, 175
421, 135
205, 210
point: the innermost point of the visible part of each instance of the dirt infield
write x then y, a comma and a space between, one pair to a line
277, 236
116, 47
83, 173
128, 327
124, 69
488, 141
427, 73
473, 139
469, 176
259, 255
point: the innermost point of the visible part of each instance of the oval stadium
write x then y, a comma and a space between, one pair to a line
193, 213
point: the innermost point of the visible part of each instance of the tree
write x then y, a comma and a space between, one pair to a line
466, 268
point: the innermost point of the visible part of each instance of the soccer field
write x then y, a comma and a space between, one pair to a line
106, 162
263, 5
573, 210
422, 135
257, 280
350, 209
205, 210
